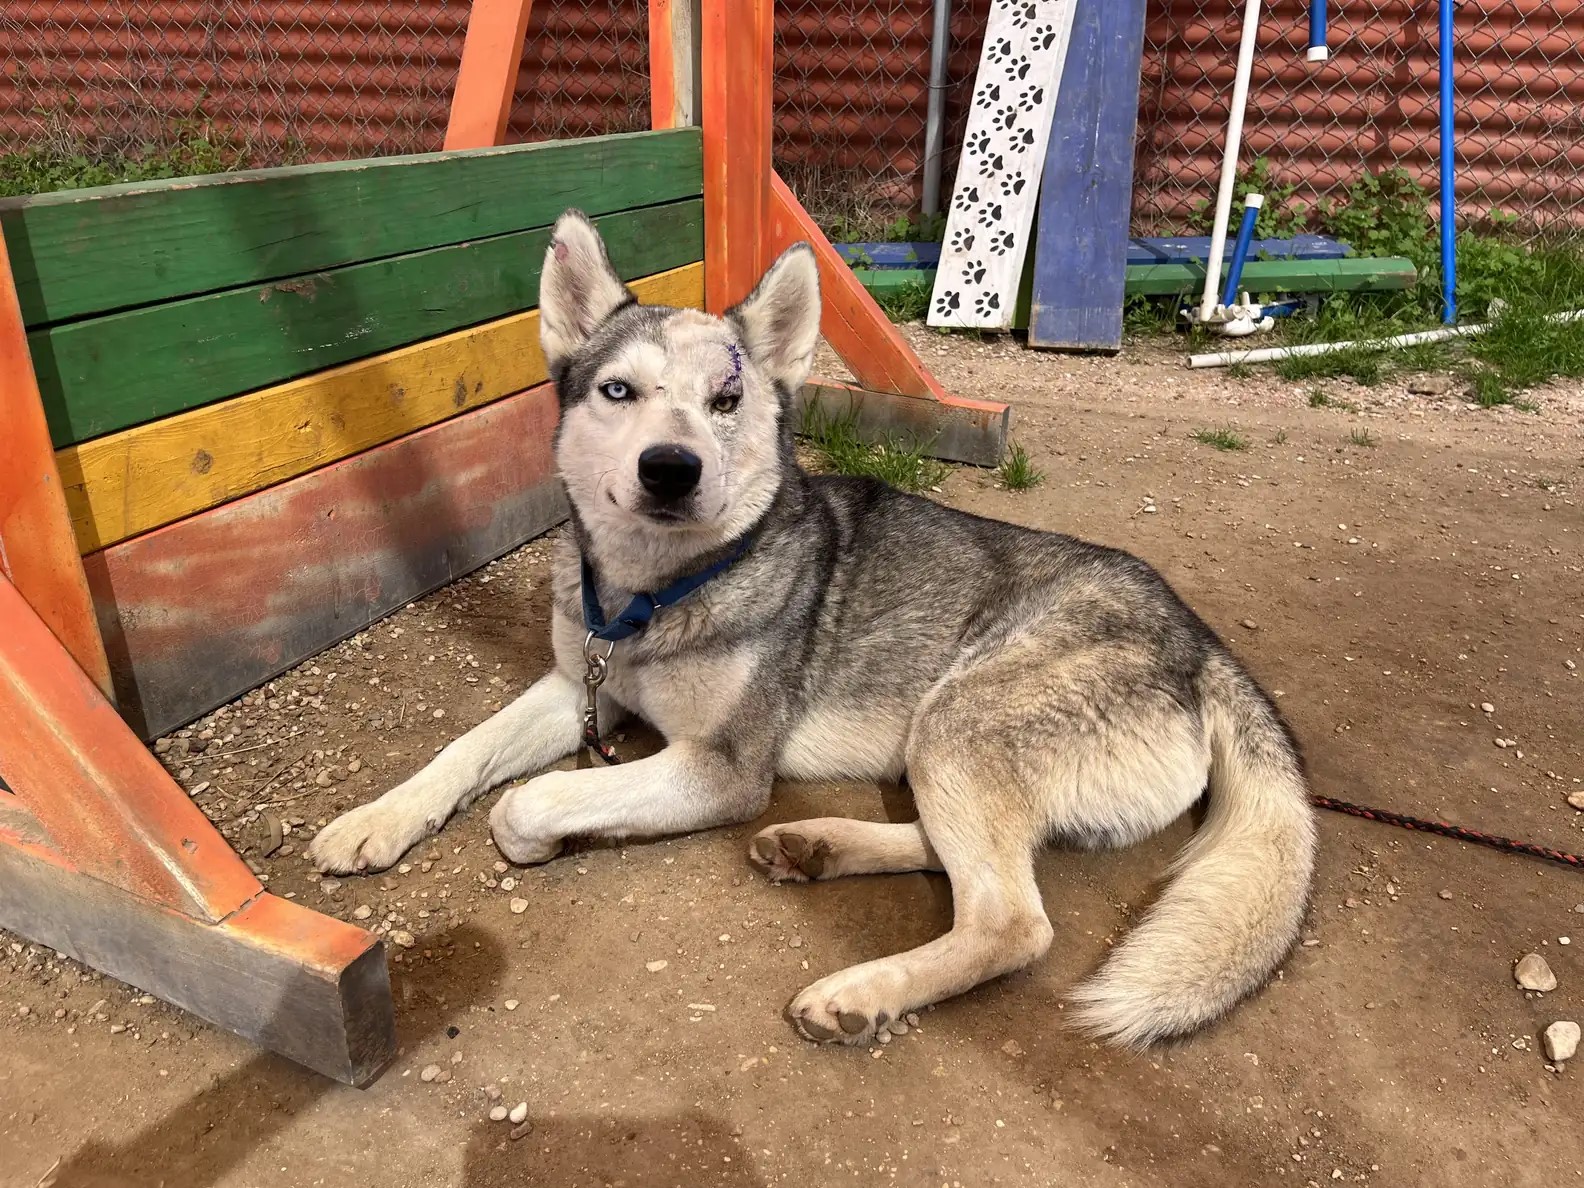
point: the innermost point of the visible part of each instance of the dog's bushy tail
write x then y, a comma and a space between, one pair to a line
1239, 890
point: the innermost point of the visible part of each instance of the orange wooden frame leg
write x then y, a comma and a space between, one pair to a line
751, 216
104, 857
736, 44
38, 550
487, 81
674, 81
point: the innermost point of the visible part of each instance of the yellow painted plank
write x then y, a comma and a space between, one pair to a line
129, 482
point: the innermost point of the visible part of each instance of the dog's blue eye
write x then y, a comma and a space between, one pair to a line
615, 390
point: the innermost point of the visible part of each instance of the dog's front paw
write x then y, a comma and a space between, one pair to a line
521, 833
371, 837
848, 1007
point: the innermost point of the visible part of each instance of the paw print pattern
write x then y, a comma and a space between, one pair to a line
1006, 112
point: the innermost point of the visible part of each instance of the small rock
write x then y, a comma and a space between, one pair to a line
1012, 1048
912, 1019
1576, 800
442, 1076
24, 1011
1251, 624
512, 1004
362, 912
1487, 707
456, 1057
323, 778
521, 1130
329, 886
883, 1037
519, 1113
1561, 1041
795, 942
355, 766
403, 938
1532, 973
1430, 385
430, 1072
117, 1028
498, 1114
508, 884
655, 966
519, 906
1444, 893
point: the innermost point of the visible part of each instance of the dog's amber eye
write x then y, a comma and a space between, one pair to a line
726, 402
615, 390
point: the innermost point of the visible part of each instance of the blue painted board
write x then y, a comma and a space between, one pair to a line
1185, 249
1081, 247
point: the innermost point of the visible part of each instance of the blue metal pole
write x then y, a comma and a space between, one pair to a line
1240, 250
1319, 51
1448, 170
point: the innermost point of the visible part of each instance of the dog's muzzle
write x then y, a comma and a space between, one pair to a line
669, 473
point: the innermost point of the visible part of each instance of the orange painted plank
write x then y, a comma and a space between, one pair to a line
487, 82
662, 66
851, 321
199, 611
108, 806
737, 92
38, 553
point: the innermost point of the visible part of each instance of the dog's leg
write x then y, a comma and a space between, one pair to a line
689, 785
541, 726
830, 847
983, 809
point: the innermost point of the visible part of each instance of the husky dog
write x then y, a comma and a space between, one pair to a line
1030, 687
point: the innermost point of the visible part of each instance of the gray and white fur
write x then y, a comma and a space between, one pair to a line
1030, 687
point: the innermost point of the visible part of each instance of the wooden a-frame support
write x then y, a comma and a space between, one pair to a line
102, 855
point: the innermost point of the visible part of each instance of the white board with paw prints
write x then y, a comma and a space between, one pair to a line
992, 209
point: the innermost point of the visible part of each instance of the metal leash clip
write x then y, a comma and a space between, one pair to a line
595, 669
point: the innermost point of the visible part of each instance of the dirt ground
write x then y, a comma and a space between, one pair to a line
631, 995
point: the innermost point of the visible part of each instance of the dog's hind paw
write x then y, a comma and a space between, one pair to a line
848, 1007
787, 856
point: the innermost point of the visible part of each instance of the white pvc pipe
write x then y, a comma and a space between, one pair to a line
1272, 354
1229, 163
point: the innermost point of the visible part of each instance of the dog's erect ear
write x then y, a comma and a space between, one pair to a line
779, 322
578, 289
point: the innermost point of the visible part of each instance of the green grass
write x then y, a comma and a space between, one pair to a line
193, 148
1513, 285
900, 463
1224, 438
1363, 438
906, 304
1017, 472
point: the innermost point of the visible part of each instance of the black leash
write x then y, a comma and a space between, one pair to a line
1419, 825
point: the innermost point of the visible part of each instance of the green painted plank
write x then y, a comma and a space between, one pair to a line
1351, 274
109, 373
85, 252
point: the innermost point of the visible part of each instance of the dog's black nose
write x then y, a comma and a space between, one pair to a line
669, 472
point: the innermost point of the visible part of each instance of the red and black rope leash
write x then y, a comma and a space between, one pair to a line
1420, 825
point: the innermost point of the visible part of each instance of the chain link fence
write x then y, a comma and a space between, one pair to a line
288, 81
1372, 107
285, 81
